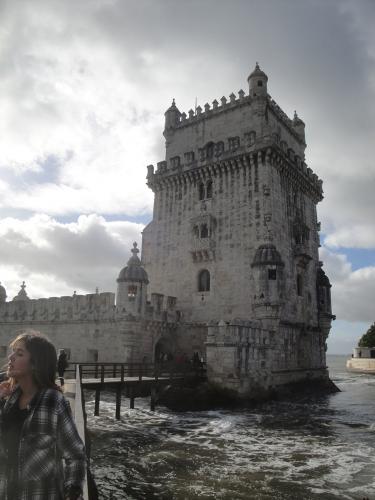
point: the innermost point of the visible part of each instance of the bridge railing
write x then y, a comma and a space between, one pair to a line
102, 371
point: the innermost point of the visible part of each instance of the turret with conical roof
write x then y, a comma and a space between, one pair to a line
132, 286
299, 126
257, 83
172, 119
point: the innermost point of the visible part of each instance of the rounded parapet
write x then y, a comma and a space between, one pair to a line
267, 255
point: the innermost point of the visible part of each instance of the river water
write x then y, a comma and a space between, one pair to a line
320, 448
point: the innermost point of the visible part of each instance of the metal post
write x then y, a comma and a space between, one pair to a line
131, 395
118, 402
97, 401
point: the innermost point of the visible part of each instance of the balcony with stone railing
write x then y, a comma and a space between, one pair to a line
203, 249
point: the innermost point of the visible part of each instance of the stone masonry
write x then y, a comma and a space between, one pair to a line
235, 237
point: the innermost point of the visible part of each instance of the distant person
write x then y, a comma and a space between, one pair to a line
62, 365
196, 359
41, 453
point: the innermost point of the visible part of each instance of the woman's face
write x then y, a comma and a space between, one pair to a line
19, 362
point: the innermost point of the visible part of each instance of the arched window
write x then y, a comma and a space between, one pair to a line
209, 189
209, 150
299, 285
204, 281
201, 191
204, 231
219, 148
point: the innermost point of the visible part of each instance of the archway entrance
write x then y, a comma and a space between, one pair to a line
163, 351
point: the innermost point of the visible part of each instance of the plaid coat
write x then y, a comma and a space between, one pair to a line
51, 454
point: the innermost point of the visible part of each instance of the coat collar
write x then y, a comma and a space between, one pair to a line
13, 398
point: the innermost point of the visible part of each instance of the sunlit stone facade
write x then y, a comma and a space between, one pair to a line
235, 238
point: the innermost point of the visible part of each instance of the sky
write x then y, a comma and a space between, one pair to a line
84, 85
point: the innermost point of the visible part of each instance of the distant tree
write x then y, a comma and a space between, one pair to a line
368, 338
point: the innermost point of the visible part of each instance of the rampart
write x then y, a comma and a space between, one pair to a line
90, 307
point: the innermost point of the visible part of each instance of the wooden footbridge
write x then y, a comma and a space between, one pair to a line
131, 380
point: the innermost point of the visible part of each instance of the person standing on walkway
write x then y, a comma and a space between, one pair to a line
41, 454
62, 365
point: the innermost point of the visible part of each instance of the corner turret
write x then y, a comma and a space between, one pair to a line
299, 126
132, 286
269, 282
172, 119
3, 294
257, 83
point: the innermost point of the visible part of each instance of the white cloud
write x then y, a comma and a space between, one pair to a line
56, 258
353, 292
359, 236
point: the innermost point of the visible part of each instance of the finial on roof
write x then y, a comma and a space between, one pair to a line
135, 249
96, 290
258, 73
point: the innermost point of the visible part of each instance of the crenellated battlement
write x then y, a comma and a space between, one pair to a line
225, 105
193, 117
90, 307
93, 306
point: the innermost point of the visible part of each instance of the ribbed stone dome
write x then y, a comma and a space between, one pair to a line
134, 270
258, 73
322, 279
267, 255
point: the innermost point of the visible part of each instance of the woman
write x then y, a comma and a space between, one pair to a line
41, 454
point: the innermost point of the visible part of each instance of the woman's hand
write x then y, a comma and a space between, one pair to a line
5, 389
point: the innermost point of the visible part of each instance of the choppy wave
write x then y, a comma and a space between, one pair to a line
321, 449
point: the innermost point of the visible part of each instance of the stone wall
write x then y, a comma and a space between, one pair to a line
247, 358
365, 365
117, 340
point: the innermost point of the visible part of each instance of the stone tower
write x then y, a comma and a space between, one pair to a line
235, 234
